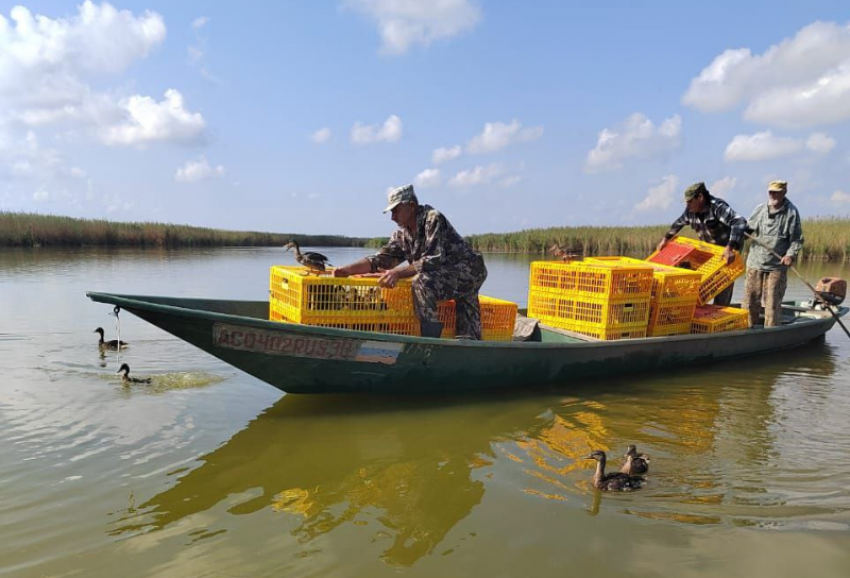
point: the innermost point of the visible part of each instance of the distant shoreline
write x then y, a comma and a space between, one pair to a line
826, 239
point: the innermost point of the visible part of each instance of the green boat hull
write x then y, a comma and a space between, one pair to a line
304, 359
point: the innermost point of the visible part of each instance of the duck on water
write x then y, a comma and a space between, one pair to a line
112, 344
615, 481
635, 463
126, 375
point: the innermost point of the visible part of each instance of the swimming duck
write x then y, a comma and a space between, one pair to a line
126, 377
566, 255
108, 344
616, 481
315, 261
635, 463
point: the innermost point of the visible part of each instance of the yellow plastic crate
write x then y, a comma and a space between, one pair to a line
716, 319
405, 325
594, 313
319, 299
361, 305
671, 317
497, 318
605, 334
707, 260
668, 283
592, 279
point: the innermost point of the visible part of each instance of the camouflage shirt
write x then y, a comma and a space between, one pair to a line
433, 246
780, 230
718, 224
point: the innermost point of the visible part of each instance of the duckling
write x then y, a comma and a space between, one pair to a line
314, 261
635, 463
108, 344
566, 255
126, 377
616, 481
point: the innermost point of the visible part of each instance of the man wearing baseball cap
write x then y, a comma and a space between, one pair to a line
444, 264
714, 222
777, 225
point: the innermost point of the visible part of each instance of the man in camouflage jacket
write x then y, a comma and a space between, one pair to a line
444, 264
777, 225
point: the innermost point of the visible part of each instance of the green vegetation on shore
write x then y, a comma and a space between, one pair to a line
34, 230
826, 238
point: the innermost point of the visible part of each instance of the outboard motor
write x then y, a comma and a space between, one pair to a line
832, 290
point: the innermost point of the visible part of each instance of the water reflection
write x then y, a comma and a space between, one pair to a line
325, 467
408, 471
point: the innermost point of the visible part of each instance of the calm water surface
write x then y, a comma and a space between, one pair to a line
209, 472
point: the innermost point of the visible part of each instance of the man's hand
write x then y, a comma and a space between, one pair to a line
389, 278
728, 255
341, 272
662, 244
787, 260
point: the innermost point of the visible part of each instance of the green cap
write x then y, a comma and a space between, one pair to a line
694, 190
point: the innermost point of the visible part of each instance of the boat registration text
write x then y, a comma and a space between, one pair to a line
256, 340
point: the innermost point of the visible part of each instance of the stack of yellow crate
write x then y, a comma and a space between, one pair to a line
675, 293
359, 303
602, 300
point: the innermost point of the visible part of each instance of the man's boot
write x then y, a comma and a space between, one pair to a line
430, 328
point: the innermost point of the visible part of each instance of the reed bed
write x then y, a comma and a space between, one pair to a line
34, 230
826, 239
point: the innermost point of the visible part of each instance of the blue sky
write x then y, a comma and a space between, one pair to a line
298, 116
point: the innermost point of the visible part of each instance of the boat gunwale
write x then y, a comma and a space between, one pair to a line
144, 302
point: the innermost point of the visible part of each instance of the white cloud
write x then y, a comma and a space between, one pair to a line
723, 187
840, 197
637, 137
321, 136
45, 64
820, 143
25, 159
660, 196
760, 146
799, 82
442, 154
198, 170
147, 120
428, 178
98, 39
480, 175
200, 22
498, 135
403, 23
510, 181
195, 54
391, 131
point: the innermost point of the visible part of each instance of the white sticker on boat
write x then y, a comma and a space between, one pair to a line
378, 352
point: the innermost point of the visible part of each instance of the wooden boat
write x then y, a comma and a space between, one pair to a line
305, 359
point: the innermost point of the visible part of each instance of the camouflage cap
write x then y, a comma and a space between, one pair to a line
400, 195
694, 190
778, 187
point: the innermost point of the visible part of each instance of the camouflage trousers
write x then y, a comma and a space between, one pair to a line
765, 288
461, 283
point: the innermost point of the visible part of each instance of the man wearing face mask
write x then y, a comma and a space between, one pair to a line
777, 225
444, 264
